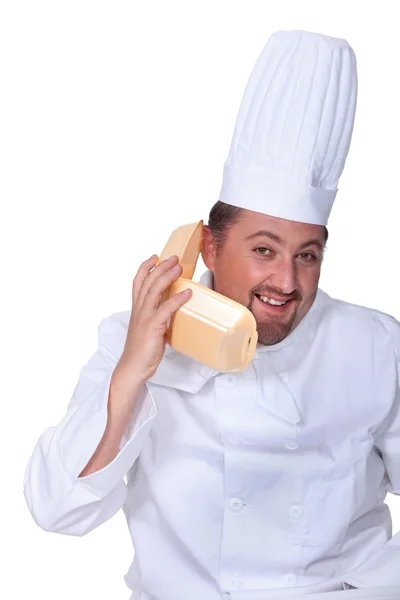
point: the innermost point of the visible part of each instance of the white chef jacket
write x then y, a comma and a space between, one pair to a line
262, 484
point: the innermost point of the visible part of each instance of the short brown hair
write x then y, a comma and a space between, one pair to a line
222, 216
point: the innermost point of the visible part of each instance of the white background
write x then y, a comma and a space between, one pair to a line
116, 118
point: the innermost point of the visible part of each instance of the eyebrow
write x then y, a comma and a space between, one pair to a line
279, 240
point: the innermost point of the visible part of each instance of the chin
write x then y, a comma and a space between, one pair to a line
269, 335
272, 331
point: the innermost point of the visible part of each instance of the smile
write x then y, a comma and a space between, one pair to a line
272, 301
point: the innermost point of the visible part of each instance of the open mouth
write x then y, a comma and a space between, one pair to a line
275, 305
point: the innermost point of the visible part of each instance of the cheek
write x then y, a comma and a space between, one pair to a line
234, 278
244, 274
308, 281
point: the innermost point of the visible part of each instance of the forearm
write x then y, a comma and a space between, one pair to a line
123, 395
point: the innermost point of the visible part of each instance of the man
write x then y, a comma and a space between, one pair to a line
269, 483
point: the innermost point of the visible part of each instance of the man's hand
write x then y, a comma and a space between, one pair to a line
146, 338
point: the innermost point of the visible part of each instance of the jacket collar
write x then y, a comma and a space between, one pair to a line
180, 372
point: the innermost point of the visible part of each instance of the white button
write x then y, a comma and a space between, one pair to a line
236, 504
231, 379
291, 579
291, 444
235, 584
284, 376
295, 511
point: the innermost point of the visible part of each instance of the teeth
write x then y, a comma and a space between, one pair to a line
272, 301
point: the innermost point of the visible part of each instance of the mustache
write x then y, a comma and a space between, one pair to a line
266, 291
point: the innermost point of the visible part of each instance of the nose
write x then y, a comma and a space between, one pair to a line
284, 277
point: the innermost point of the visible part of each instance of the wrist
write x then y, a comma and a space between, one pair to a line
125, 387
127, 376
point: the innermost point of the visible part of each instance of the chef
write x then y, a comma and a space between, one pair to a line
269, 483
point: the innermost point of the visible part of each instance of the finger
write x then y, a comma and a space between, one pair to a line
168, 308
142, 273
155, 294
158, 272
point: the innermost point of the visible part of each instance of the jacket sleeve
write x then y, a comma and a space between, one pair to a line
58, 499
383, 568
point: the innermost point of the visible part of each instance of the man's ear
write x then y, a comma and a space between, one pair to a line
208, 248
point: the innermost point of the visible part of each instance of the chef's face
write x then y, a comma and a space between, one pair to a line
270, 265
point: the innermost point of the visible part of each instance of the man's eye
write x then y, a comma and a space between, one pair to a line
263, 251
308, 256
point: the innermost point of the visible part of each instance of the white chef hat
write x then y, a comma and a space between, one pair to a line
294, 128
